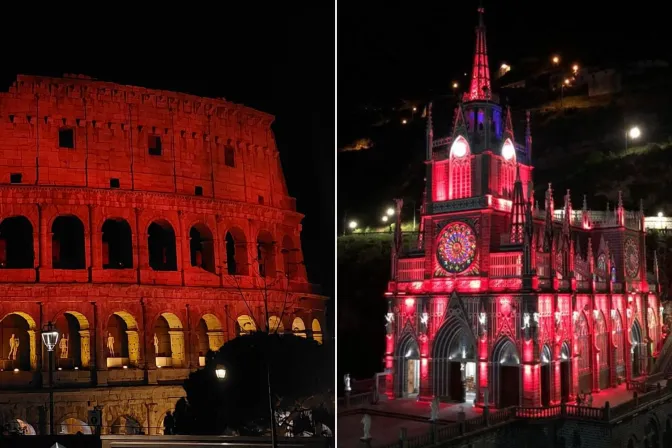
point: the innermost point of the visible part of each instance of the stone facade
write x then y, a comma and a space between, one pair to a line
149, 227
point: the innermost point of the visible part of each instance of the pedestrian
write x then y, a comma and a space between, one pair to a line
168, 424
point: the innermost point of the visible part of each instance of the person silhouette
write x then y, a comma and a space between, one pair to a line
168, 423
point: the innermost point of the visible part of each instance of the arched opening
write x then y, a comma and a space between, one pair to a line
317, 331
652, 435
122, 341
245, 325
506, 363
408, 361
18, 342
619, 344
168, 341
298, 327
210, 336
667, 436
459, 174
74, 426
161, 242
584, 352
602, 344
202, 248
236, 252
16, 243
117, 244
126, 425
289, 258
652, 321
19, 428
545, 359
266, 254
73, 349
636, 351
275, 325
67, 243
454, 366
565, 372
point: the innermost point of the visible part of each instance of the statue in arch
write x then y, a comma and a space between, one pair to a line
156, 344
366, 421
434, 409
110, 344
63, 345
13, 347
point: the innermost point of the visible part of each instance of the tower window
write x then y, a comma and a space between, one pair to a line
15, 178
114, 183
260, 199
198, 191
154, 145
229, 157
66, 138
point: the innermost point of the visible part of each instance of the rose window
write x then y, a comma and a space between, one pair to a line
457, 247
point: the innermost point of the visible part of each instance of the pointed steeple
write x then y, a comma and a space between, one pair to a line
566, 222
528, 136
460, 123
548, 223
430, 133
517, 211
620, 211
480, 75
508, 124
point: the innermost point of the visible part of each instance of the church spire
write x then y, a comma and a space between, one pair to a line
480, 75
517, 211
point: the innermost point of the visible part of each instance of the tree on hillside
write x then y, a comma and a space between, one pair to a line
302, 395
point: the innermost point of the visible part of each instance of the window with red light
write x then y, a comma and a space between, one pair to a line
582, 334
507, 177
460, 178
440, 181
617, 339
602, 339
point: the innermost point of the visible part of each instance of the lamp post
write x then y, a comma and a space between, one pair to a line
49, 339
632, 133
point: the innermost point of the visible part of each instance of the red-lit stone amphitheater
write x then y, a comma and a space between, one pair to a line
502, 303
136, 220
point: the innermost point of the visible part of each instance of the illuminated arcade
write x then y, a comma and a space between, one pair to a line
502, 302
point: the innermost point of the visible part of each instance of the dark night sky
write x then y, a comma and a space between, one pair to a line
275, 57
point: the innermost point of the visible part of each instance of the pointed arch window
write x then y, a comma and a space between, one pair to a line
459, 175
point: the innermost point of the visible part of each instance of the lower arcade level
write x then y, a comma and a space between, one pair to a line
519, 350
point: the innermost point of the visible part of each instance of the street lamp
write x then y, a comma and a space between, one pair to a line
49, 339
385, 218
352, 225
390, 211
556, 60
220, 371
633, 133
660, 214
455, 85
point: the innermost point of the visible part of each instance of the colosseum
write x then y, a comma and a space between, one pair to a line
148, 226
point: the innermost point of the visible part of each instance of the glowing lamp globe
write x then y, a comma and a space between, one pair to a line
220, 371
634, 132
459, 148
50, 337
508, 150
352, 224
660, 214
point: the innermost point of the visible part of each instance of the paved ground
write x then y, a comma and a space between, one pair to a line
615, 396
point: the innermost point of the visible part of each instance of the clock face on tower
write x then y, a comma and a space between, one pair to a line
456, 249
631, 255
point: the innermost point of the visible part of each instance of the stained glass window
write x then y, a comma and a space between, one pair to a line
631, 252
456, 247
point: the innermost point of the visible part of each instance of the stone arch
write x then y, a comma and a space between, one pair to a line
236, 252
68, 243
506, 372
667, 435
454, 346
546, 374
618, 341
637, 350
652, 435
290, 258
169, 340
299, 327
202, 247
584, 351
17, 426
266, 254
117, 244
408, 365
16, 243
73, 328
125, 424
210, 336
122, 340
245, 325
602, 349
72, 425
162, 246
275, 325
22, 327
317, 331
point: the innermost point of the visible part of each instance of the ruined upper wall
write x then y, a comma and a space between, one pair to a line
113, 128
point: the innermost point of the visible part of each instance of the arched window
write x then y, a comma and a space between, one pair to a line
236, 252
73, 329
121, 341
266, 254
245, 325
74, 426
67, 243
317, 331
583, 342
275, 325
161, 242
298, 327
289, 257
168, 341
117, 245
126, 425
16, 243
459, 178
202, 249
230, 157
210, 336
17, 342
618, 341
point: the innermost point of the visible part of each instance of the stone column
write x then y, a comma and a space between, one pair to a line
33, 349
177, 347
133, 347
85, 348
151, 411
182, 247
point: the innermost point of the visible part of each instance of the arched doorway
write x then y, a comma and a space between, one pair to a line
408, 360
299, 327
121, 340
584, 352
275, 325
317, 331
67, 243
117, 244
73, 348
545, 360
454, 362
168, 341
210, 336
245, 325
16, 243
74, 426
201, 247
161, 245
602, 343
17, 337
619, 344
506, 363
126, 425
565, 372
636, 351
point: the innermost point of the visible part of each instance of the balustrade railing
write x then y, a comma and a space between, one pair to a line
411, 269
507, 264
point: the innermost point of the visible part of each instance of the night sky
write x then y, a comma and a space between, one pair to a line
275, 57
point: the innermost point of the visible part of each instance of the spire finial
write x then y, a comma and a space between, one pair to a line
480, 75
585, 203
